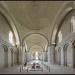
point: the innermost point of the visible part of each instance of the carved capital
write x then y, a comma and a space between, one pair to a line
5, 47
11, 50
73, 44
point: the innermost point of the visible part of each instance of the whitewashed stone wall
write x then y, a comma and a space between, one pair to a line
2, 56
68, 40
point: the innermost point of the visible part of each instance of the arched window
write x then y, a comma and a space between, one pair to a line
67, 26
11, 40
73, 23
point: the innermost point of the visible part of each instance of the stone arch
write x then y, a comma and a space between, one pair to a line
67, 8
10, 20
34, 33
37, 45
5, 55
31, 51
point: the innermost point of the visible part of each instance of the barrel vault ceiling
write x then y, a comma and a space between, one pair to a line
34, 16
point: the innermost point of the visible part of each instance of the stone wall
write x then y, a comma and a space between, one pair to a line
66, 45
67, 48
6, 59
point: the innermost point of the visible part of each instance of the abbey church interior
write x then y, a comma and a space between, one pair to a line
37, 37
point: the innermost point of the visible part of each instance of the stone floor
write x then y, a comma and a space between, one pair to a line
54, 69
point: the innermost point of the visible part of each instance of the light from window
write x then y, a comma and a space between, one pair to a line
36, 56
60, 36
11, 38
73, 23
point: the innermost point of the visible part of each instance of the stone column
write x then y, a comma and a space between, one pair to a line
73, 47
27, 56
51, 54
22, 55
45, 56
62, 57
6, 64
17, 55
73, 58
42, 57
65, 54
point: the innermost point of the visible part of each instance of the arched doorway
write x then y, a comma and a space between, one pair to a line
36, 52
34, 43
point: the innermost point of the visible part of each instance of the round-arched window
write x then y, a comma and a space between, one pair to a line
67, 26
